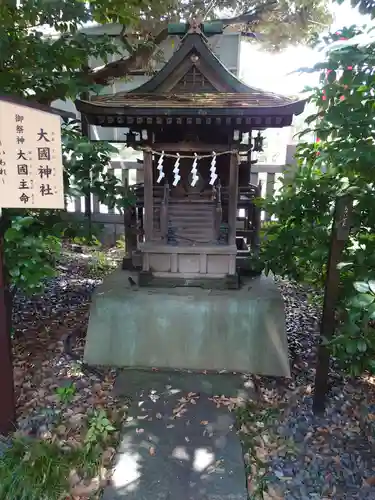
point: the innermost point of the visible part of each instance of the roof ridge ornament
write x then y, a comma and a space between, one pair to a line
195, 26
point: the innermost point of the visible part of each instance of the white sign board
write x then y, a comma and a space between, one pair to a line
31, 169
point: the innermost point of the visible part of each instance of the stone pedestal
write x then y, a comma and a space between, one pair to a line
188, 328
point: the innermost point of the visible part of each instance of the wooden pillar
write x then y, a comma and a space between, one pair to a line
7, 407
233, 195
148, 196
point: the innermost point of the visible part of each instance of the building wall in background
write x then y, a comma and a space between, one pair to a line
226, 47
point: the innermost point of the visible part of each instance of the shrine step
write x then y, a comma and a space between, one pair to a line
191, 220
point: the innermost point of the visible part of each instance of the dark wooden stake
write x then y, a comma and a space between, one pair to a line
340, 233
7, 403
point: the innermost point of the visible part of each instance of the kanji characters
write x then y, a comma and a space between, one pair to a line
23, 184
44, 154
24, 198
43, 135
46, 190
21, 155
44, 172
22, 169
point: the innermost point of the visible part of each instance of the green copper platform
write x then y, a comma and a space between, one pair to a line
188, 328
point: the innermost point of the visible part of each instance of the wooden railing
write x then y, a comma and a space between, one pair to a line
112, 221
218, 214
138, 190
164, 212
246, 195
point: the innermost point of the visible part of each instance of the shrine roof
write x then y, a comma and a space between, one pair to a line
194, 82
255, 98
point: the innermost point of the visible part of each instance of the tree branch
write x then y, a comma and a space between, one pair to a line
123, 67
140, 56
124, 39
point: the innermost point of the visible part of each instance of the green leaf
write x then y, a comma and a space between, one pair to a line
372, 286
362, 301
361, 286
371, 311
12, 234
351, 346
361, 345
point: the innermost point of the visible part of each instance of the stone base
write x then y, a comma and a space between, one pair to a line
229, 282
206, 261
188, 328
133, 262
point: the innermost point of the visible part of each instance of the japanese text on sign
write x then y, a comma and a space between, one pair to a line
31, 171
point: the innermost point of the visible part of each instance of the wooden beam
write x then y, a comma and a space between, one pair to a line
148, 196
191, 147
232, 202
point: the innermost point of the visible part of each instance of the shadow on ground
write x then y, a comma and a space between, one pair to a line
178, 442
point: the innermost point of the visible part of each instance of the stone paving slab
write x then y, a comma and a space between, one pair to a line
177, 444
134, 382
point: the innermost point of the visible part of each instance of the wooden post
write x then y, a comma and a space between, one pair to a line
340, 233
257, 224
7, 405
148, 196
85, 130
164, 217
130, 231
232, 200
218, 215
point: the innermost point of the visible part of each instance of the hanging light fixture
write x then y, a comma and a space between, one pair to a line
258, 143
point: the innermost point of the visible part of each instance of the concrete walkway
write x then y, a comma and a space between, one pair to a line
177, 444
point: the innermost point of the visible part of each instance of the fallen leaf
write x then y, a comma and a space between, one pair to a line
178, 409
152, 451
204, 422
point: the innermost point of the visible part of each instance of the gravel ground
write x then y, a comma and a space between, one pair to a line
325, 458
40, 364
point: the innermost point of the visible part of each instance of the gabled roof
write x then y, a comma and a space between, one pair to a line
194, 51
220, 94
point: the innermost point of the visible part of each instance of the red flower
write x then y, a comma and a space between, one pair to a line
342, 38
318, 153
317, 139
342, 98
324, 98
350, 68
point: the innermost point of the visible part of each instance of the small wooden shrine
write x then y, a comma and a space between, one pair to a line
195, 123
